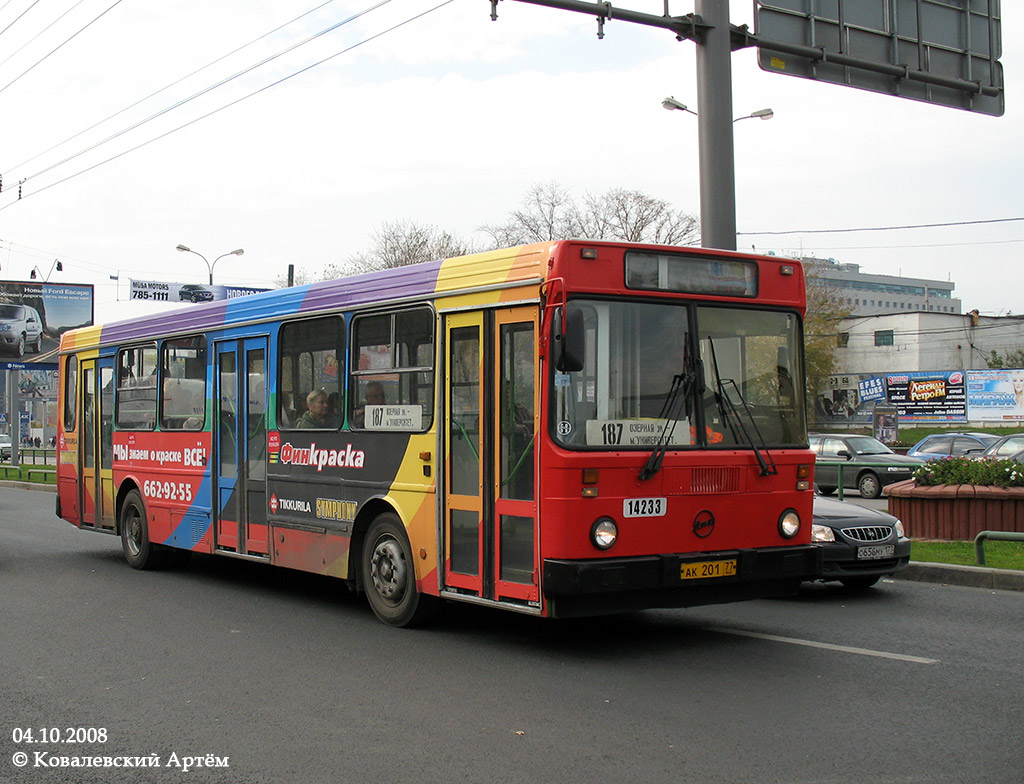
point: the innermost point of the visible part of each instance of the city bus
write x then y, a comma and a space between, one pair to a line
560, 429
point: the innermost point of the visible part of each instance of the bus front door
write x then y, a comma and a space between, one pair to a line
241, 445
491, 389
97, 447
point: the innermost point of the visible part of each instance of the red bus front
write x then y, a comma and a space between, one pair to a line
673, 466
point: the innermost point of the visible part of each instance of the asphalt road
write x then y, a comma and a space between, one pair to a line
287, 678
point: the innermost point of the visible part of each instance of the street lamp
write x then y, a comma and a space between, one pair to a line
671, 104
209, 266
764, 114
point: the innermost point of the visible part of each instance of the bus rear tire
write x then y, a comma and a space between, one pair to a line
139, 552
389, 575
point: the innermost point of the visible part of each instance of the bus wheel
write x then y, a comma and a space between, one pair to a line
139, 552
389, 575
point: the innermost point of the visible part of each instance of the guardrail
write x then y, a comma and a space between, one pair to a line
842, 465
31, 455
1004, 536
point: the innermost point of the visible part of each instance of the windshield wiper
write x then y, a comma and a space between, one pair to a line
678, 400
727, 407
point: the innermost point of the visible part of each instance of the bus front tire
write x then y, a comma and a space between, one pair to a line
389, 575
139, 552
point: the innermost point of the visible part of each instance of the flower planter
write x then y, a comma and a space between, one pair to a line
958, 512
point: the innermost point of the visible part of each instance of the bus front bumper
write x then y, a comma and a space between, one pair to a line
595, 587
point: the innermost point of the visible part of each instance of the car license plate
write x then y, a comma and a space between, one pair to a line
703, 570
876, 551
644, 507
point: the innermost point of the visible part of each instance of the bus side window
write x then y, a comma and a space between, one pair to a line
309, 351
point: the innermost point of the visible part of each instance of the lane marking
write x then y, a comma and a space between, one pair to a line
825, 645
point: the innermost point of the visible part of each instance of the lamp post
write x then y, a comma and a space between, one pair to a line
209, 266
714, 133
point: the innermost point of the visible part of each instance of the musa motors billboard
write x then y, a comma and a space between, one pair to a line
161, 291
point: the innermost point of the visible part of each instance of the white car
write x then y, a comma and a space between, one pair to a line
21, 328
5, 447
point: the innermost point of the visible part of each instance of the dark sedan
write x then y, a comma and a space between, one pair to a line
861, 454
860, 545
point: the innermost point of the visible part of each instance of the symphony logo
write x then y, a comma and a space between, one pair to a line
319, 458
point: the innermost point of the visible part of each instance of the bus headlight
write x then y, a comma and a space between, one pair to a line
789, 524
604, 533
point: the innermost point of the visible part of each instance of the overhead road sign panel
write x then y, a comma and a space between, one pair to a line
944, 52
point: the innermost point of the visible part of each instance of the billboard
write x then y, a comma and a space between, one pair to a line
162, 291
926, 396
996, 395
34, 315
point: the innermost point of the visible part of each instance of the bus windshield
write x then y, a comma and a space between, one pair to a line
682, 376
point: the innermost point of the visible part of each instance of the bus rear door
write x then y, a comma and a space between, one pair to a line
96, 449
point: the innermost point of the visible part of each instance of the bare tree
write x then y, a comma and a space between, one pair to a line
401, 242
825, 309
549, 212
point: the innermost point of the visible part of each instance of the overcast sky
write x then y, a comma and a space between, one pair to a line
449, 120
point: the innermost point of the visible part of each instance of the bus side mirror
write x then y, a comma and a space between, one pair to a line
568, 339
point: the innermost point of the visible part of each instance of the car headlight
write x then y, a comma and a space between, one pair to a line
899, 469
898, 527
822, 533
789, 524
604, 533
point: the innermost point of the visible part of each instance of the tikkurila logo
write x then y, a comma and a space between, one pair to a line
288, 505
321, 458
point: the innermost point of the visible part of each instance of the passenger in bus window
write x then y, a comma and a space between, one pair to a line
374, 397
318, 415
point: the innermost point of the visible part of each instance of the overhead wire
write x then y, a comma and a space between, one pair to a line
59, 46
18, 17
883, 228
231, 103
204, 91
166, 87
33, 38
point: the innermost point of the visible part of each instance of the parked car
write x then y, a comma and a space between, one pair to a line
860, 545
950, 444
857, 450
5, 447
1005, 447
21, 329
193, 292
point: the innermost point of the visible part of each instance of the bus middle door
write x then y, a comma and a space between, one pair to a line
241, 446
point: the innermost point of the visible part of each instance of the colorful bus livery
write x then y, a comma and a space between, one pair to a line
559, 429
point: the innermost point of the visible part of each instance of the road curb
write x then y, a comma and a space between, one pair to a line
969, 576
28, 485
